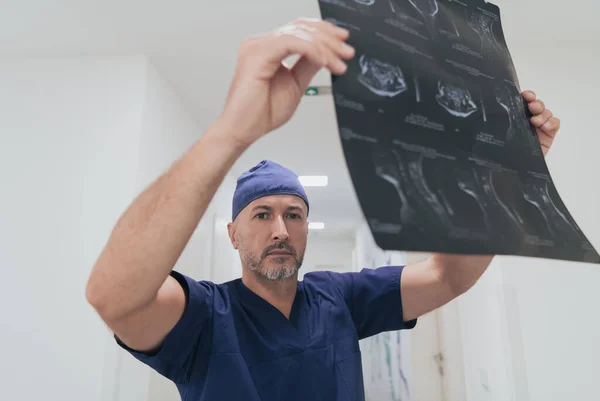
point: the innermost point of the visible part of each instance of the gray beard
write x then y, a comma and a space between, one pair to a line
283, 271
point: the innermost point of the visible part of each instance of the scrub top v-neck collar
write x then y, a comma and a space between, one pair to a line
294, 328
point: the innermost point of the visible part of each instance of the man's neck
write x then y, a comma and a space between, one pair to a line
280, 293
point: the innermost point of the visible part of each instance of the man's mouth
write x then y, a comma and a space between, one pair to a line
279, 253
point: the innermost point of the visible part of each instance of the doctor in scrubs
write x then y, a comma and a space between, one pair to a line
265, 336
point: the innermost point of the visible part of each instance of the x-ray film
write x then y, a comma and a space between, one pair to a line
437, 137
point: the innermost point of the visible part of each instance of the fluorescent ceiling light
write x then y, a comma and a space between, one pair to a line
316, 226
313, 180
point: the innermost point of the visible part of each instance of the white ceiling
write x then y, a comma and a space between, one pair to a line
194, 45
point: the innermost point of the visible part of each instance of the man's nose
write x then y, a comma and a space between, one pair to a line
280, 232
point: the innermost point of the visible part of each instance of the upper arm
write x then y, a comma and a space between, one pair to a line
374, 299
145, 329
167, 333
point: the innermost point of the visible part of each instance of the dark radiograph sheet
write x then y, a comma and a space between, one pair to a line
437, 137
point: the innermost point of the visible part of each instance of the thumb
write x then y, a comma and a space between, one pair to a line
304, 71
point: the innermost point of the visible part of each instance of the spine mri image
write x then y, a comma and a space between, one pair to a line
436, 134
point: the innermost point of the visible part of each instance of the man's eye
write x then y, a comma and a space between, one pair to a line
294, 216
262, 215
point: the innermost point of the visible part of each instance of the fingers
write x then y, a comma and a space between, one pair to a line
326, 26
540, 119
545, 140
529, 96
339, 48
547, 126
536, 107
551, 126
330, 39
318, 43
291, 39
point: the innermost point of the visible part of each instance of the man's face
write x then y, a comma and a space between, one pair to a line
270, 234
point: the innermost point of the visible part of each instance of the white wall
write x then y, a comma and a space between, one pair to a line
69, 132
226, 263
483, 330
450, 345
79, 140
325, 251
534, 318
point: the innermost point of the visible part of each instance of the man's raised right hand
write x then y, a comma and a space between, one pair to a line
265, 93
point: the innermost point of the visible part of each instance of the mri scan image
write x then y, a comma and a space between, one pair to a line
464, 204
501, 218
519, 131
381, 78
534, 197
538, 194
426, 9
417, 201
437, 136
389, 168
455, 100
483, 25
468, 201
470, 198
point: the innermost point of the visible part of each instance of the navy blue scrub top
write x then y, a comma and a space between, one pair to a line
231, 344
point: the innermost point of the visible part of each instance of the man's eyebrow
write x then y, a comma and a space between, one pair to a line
269, 208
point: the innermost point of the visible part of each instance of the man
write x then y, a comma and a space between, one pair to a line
265, 336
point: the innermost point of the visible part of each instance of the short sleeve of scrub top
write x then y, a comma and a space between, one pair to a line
174, 357
373, 299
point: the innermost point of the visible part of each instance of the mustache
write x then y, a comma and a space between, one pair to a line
276, 247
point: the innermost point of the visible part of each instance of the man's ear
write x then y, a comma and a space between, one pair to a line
231, 231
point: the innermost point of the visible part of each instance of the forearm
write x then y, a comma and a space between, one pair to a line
437, 280
459, 272
150, 236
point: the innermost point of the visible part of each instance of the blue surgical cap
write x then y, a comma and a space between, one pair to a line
265, 179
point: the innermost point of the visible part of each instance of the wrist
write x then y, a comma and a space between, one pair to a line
229, 134
241, 129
